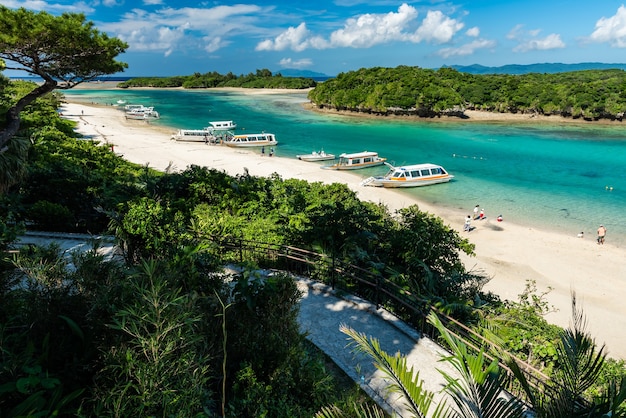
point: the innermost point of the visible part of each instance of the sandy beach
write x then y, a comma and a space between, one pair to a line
507, 253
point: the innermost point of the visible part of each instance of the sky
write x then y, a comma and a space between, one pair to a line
180, 37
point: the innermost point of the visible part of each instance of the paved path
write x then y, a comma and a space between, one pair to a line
322, 312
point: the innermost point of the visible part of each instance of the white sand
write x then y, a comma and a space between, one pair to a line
509, 254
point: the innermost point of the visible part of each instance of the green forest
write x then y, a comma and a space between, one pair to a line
404, 90
162, 328
261, 79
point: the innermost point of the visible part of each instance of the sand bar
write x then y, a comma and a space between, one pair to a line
510, 254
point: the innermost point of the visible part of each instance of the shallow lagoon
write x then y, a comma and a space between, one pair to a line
557, 177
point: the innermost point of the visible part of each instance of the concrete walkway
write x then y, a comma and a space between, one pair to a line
322, 312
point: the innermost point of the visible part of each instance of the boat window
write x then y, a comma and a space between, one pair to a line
398, 174
426, 172
415, 173
356, 161
436, 170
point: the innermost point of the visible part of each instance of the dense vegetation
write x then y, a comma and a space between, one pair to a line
404, 90
75, 332
262, 79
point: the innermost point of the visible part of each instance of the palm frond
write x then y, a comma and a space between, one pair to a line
478, 389
405, 380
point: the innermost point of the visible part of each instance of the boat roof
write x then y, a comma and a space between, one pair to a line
416, 167
359, 154
230, 122
247, 135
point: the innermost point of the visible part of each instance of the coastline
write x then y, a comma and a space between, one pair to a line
472, 115
510, 254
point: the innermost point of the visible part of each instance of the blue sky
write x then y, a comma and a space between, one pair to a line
179, 37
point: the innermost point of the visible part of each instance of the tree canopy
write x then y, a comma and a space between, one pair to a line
404, 90
262, 79
63, 50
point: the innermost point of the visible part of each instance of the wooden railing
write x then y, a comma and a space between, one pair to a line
377, 289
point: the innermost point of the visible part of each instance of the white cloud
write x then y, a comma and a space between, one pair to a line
301, 63
437, 28
473, 32
528, 41
366, 30
170, 29
372, 29
516, 32
152, 2
467, 49
611, 30
552, 41
40, 5
296, 39
214, 44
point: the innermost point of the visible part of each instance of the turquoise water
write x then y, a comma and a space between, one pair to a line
561, 178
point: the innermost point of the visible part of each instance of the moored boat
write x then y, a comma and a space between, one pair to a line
223, 125
316, 156
145, 113
251, 140
410, 176
356, 161
200, 135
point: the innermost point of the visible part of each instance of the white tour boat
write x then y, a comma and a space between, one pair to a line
145, 113
410, 176
251, 140
316, 156
223, 125
200, 135
356, 161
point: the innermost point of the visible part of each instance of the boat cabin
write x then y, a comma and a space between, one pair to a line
223, 125
416, 171
252, 140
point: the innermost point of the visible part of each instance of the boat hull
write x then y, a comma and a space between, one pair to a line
316, 156
250, 144
354, 166
392, 184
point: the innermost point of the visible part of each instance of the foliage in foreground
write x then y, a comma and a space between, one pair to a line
478, 386
83, 335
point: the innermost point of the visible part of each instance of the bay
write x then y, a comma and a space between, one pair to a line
556, 177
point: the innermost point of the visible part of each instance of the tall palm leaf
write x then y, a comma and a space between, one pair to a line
579, 367
478, 390
405, 381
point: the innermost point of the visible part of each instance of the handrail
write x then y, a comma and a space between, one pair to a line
381, 287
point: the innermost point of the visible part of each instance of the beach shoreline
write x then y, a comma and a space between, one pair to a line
509, 254
479, 116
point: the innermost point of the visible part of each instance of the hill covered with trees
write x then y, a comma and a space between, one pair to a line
589, 95
262, 79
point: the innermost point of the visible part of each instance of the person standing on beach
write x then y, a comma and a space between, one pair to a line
476, 211
468, 224
262, 151
601, 234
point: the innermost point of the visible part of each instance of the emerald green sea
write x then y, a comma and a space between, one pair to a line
561, 178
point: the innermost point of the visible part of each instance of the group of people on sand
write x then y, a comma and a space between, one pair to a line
601, 235
479, 215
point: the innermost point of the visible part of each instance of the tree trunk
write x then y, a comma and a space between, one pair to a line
13, 114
